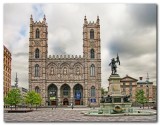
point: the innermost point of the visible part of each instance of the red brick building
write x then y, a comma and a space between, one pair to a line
6, 71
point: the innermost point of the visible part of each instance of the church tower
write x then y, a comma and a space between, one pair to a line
92, 59
38, 51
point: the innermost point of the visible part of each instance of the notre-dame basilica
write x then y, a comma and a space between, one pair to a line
65, 79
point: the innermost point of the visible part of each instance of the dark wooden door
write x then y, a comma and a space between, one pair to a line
53, 103
77, 102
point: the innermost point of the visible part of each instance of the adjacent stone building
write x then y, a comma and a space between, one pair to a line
129, 86
154, 89
65, 79
147, 87
6, 70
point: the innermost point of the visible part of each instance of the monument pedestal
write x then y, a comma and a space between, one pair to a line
117, 103
115, 89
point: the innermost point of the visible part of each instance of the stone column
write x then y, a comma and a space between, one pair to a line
59, 93
86, 97
72, 95
112, 100
46, 95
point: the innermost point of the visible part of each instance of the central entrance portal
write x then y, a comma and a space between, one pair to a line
53, 102
65, 101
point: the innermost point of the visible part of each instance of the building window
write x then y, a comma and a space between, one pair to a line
78, 92
92, 70
92, 53
147, 91
36, 70
37, 90
93, 93
130, 86
124, 88
37, 33
66, 91
37, 53
91, 34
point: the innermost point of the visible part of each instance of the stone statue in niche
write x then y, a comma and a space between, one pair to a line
65, 71
52, 71
77, 71
59, 76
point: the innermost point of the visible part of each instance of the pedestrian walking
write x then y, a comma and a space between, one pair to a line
72, 105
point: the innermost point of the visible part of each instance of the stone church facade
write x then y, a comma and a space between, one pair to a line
65, 79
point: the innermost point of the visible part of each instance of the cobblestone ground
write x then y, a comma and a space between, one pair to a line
70, 115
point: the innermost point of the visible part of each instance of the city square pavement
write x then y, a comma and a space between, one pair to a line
71, 115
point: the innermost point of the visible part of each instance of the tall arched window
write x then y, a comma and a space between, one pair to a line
37, 90
37, 53
91, 34
37, 33
66, 91
93, 91
92, 70
92, 53
36, 70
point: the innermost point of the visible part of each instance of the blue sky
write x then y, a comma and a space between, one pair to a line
128, 29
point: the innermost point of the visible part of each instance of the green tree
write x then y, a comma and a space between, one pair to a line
33, 98
38, 100
102, 91
29, 98
140, 97
13, 98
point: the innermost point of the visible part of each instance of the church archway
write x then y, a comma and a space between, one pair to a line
52, 94
78, 94
65, 93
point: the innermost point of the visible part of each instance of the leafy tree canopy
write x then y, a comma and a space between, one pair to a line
140, 97
33, 98
13, 97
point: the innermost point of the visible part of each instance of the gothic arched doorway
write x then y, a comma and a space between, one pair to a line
65, 93
65, 101
78, 94
52, 94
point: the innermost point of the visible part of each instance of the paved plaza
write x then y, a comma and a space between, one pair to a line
70, 115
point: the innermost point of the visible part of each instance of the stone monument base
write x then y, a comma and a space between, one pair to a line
110, 108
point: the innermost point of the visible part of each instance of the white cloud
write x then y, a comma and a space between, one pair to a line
121, 31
